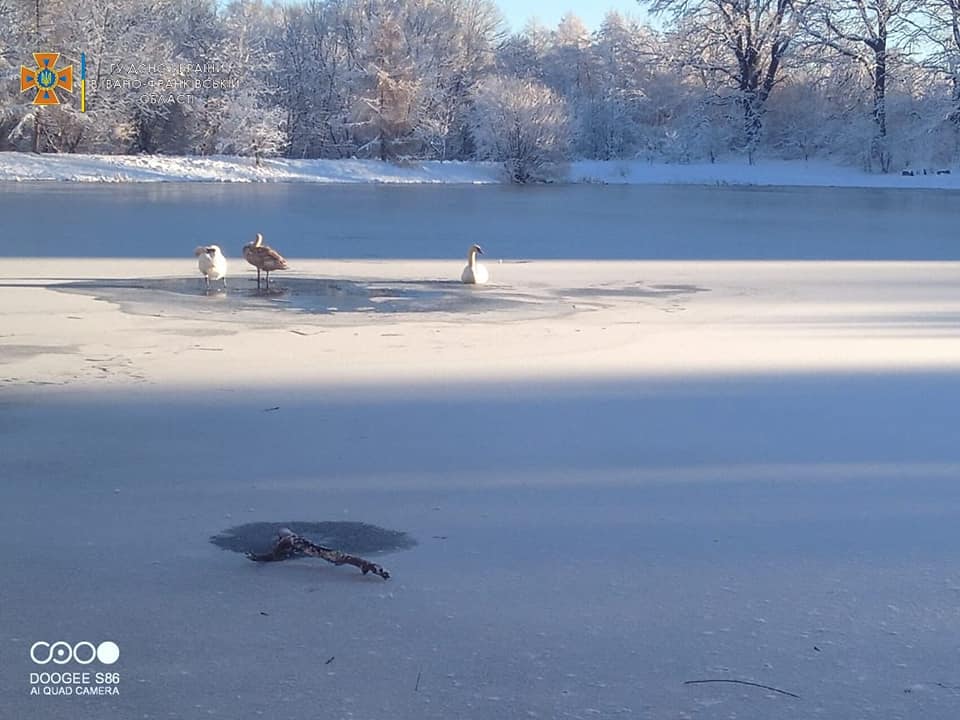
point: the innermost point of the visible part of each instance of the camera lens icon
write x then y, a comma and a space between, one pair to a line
83, 653
61, 653
108, 652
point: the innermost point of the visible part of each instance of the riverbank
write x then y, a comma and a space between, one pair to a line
26, 167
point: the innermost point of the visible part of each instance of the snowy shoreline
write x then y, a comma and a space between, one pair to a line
26, 167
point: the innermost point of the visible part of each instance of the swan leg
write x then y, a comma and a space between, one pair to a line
206, 283
258, 278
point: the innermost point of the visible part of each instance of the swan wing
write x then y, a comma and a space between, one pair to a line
264, 257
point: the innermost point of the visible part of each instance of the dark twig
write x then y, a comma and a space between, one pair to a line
742, 682
416, 688
290, 545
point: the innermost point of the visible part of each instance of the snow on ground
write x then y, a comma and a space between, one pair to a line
159, 168
156, 168
657, 472
798, 173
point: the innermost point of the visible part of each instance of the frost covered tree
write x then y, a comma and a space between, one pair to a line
522, 123
637, 91
567, 58
243, 116
132, 47
524, 54
14, 107
312, 66
26, 28
386, 107
451, 44
868, 32
249, 127
572, 70
938, 29
742, 44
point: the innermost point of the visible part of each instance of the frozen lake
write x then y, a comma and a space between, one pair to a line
592, 481
570, 221
697, 532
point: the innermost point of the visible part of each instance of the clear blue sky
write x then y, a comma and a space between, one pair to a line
549, 12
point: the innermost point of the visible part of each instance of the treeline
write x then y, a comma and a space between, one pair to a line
872, 82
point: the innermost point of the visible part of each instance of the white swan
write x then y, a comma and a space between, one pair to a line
212, 264
474, 273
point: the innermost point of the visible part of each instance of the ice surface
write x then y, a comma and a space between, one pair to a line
624, 476
510, 223
583, 549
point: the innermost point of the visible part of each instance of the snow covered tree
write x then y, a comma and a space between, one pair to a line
249, 127
938, 28
131, 48
240, 106
25, 28
866, 31
741, 43
572, 70
522, 123
312, 71
451, 45
523, 55
567, 59
636, 95
14, 107
393, 79
386, 109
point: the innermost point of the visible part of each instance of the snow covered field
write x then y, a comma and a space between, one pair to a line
621, 476
157, 168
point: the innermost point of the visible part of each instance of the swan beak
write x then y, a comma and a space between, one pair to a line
479, 249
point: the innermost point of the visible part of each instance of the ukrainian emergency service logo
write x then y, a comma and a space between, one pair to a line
46, 78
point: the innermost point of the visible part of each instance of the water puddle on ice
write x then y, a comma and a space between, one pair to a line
186, 296
350, 537
347, 302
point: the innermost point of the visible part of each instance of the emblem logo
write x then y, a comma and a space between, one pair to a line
46, 78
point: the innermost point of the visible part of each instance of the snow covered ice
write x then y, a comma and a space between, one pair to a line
696, 457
